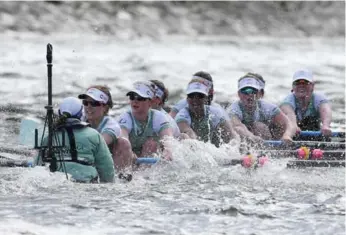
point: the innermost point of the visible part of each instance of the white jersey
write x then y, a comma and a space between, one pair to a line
183, 104
265, 112
174, 125
313, 109
109, 126
216, 116
158, 122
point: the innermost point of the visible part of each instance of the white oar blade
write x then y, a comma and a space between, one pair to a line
27, 132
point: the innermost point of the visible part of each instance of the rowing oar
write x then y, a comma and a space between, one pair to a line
18, 151
315, 163
288, 153
9, 162
299, 163
278, 144
141, 160
318, 133
290, 164
147, 160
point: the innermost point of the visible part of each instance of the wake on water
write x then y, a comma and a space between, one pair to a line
195, 193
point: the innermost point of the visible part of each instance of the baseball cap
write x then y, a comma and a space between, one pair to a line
197, 87
95, 94
72, 106
303, 74
249, 82
143, 89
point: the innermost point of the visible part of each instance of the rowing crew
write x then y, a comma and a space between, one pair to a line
145, 128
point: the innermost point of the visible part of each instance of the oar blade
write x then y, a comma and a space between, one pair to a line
15, 163
315, 163
27, 131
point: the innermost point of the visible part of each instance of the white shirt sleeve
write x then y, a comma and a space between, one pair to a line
125, 121
183, 116
180, 105
234, 110
217, 116
160, 121
224, 113
111, 127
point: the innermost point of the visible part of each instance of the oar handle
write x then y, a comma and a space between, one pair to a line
273, 142
318, 133
147, 160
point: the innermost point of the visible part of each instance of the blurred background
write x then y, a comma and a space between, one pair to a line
155, 19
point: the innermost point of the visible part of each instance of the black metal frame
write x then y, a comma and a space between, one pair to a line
49, 153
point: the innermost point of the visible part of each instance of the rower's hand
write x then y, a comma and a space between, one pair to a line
256, 139
286, 139
134, 158
167, 155
326, 131
298, 130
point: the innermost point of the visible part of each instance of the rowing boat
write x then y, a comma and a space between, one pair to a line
333, 152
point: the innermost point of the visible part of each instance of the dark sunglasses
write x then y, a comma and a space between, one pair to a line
196, 96
249, 91
301, 82
92, 103
138, 98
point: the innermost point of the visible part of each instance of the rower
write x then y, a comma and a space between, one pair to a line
255, 119
261, 81
147, 129
85, 155
202, 77
306, 109
203, 122
158, 102
97, 101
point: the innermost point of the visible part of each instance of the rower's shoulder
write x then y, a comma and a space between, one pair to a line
319, 95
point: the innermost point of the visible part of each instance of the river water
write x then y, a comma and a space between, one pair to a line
193, 194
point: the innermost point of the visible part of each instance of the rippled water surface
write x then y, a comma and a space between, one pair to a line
193, 194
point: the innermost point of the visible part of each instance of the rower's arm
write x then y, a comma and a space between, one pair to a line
227, 132
289, 112
108, 138
325, 114
241, 129
124, 133
185, 128
282, 121
167, 150
172, 113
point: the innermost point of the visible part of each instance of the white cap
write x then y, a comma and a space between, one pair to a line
203, 80
143, 89
262, 84
303, 74
71, 105
249, 82
197, 87
95, 94
158, 92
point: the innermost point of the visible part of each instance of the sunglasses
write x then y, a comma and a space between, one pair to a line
249, 91
301, 82
196, 96
138, 98
92, 103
